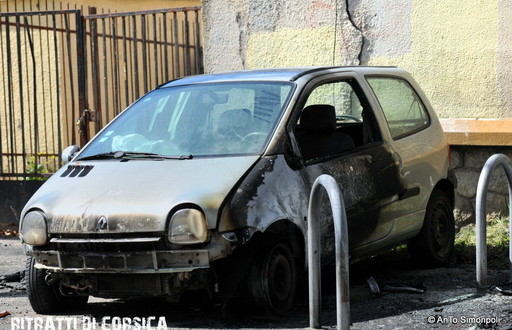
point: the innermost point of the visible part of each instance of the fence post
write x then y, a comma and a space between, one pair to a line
82, 75
95, 68
481, 216
314, 252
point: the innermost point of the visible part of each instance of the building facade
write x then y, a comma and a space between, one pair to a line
459, 52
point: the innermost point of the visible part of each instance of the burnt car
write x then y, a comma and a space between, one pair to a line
203, 184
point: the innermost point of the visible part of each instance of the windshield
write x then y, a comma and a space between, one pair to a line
203, 119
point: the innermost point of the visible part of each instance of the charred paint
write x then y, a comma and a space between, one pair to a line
270, 192
369, 179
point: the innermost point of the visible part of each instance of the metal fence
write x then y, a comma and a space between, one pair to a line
64, 75
132, 53
36, 87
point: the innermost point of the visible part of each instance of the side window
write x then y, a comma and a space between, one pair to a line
334, 120
341, 96
404, 111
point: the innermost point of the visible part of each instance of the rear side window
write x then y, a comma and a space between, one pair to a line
404, 110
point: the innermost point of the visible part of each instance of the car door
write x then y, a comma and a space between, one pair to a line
348, 146
419, 144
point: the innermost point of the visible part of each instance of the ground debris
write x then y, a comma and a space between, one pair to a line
505, 290
9, 229
15, 281
14, 277
395, 287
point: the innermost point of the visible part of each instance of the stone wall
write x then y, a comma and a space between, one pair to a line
468, 162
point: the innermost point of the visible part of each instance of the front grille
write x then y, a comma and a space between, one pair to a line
123, 262
105, 244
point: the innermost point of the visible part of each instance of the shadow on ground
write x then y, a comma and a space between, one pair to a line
444, 289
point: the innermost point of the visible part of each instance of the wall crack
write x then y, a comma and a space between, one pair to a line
242, 38
359, 29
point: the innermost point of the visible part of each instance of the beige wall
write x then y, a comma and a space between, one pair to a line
112, 5
460, 52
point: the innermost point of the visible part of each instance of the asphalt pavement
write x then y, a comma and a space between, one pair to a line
408, 298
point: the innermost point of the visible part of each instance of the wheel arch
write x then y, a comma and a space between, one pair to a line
447, 187
290, 232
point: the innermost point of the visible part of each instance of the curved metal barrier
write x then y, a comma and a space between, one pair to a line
481, 205
341, 248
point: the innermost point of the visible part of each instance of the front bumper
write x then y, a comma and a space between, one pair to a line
118, 262
147, 262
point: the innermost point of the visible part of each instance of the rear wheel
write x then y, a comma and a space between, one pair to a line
434, 244
47, 298
273, 279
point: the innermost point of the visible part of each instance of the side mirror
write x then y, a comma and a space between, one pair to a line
69, 153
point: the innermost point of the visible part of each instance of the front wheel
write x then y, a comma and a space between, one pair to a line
46, 298
434, 244
273, 279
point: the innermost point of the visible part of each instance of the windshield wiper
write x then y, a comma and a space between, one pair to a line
133, 155
103, 155
141, 155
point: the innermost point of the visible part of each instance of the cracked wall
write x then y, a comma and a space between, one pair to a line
460, 53
247, 34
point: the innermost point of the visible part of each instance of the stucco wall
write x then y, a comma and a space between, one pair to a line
460, 52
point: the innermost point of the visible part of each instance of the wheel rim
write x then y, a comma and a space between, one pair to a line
441, 229
279, 278
273, 280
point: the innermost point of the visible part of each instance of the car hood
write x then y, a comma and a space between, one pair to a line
112, 196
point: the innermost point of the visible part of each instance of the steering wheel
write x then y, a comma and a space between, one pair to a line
254, 136
345, 117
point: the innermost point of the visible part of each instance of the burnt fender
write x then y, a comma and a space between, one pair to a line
270, 192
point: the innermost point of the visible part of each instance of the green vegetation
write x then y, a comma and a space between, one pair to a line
36, 166
465, 248
497, 243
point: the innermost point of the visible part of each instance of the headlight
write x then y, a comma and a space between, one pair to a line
188, 226
33, 229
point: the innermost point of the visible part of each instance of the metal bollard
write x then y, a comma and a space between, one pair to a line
481, 223
341, 248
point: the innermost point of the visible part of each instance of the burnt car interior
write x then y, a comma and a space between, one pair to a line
318, 135
336, 119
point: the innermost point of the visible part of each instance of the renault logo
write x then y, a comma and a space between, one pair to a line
102, 223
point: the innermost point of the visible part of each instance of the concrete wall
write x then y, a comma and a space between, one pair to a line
460, 52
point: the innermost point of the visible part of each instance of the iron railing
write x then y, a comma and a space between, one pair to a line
65, 75
38, 83
132, 53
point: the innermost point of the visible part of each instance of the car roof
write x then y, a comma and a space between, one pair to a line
277, 74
